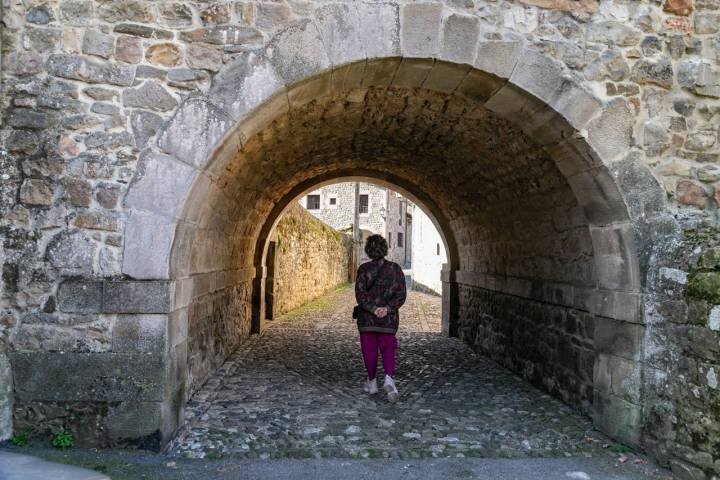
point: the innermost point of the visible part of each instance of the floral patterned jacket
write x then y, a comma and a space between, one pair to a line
379, 283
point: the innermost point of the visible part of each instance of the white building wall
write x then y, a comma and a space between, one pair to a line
428, 253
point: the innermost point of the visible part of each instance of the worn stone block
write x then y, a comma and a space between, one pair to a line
611, 133
379, 28
150, 95
148, 240
136, 297
99, 44
339, 27
460, 37
297, 52
614, 254
193, 131
89, 70
72, 251
420, 29
445, 77
244, 83
618, 418
140, 333
6, 397
161, 184
498, 57
87, 376
80, 296
380, 72
619, 338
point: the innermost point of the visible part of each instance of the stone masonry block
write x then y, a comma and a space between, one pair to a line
539, 75
412, 72
479, 86
611, 133
619, 338
420, 29
80, 296
87, 376
498, 57
244, 83
619, 419
617, 376
194, 131
136, 297
148, 241
615, 264
339, 26
298, 52
598, 196
460, 37
160, 184
6, 397
445, 77
140, 333
379, 28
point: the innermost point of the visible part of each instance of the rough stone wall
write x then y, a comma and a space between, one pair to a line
88, 84
551, 346
310, 259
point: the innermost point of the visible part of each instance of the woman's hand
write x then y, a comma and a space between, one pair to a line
381, 312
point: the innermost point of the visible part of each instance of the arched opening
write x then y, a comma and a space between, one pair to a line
543, 273
386, 180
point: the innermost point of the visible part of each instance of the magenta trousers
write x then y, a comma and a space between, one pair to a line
370, 343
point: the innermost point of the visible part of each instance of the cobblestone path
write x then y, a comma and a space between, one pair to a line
295, 391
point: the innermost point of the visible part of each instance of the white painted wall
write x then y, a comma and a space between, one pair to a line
427, 263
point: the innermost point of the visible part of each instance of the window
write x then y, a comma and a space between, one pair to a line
400, 212
400, 239
437, 249
389, 239
313, 202
333, 201
364, 203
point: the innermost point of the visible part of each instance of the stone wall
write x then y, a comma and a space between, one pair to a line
152, 141
310, 259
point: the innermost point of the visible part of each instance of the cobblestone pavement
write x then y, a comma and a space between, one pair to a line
295, 391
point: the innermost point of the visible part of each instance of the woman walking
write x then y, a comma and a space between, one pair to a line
380, 292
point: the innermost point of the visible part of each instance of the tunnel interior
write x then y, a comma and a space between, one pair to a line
531, 244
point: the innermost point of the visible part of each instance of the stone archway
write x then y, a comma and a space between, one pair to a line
217, 174
386, 180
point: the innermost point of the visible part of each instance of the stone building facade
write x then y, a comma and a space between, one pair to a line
382, 211
567, 149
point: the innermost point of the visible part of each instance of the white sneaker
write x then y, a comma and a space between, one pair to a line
371, 387
391, 389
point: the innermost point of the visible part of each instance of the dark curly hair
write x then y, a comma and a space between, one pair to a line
376, 247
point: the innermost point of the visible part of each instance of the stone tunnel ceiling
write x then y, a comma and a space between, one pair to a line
488, 178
